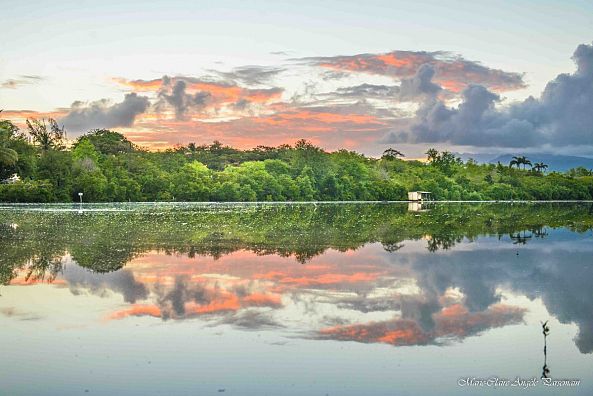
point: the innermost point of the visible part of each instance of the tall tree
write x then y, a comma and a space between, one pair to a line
518, 161
392, 153
515, 161
540, 167
47, 138
432, 154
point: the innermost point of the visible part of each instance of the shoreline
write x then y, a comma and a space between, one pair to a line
252, 203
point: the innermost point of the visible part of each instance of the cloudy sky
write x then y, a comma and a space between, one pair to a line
514, 76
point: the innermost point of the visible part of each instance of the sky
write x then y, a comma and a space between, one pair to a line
473, 77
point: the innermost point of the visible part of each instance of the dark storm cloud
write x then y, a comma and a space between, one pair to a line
103, 114
122, 282
420, 84
563, 285
242, 104
561, 116
172, 303
251, 75
180, 100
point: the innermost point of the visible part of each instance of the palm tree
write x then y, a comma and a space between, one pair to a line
515, 161
540, 167
518, 161
392, 153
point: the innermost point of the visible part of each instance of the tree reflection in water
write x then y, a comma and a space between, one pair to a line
234, 264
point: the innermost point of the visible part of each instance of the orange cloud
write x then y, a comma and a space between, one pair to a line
320, 117
457, 320
229, 303
325, 128
140, 85
453, 321
399, 332
411, 61
226, 302
136, 310
457, 75
230, 93
452, 71
221, 92
330, 279
20, 116
262, 300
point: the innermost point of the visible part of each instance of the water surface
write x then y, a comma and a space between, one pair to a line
293, 299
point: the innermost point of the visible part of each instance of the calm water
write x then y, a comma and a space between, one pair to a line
326, 299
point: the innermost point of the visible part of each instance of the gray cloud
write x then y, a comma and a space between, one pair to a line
103, 114
329, 75
420, 84
368, 91
241, 104
250, 320
22, 80
251, 75
561, 116
172, 303
122, 281
180, 99
212, 94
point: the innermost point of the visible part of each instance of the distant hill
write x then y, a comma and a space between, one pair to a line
558, 163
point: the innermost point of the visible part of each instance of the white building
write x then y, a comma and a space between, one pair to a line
418, 195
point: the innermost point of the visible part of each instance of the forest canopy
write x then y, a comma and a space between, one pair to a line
105, 166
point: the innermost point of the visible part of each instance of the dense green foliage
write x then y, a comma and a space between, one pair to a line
105, 166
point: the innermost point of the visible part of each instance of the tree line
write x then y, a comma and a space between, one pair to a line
105, 166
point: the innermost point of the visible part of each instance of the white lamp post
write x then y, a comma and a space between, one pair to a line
80, 196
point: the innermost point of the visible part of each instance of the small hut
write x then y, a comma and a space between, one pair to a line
419, 196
